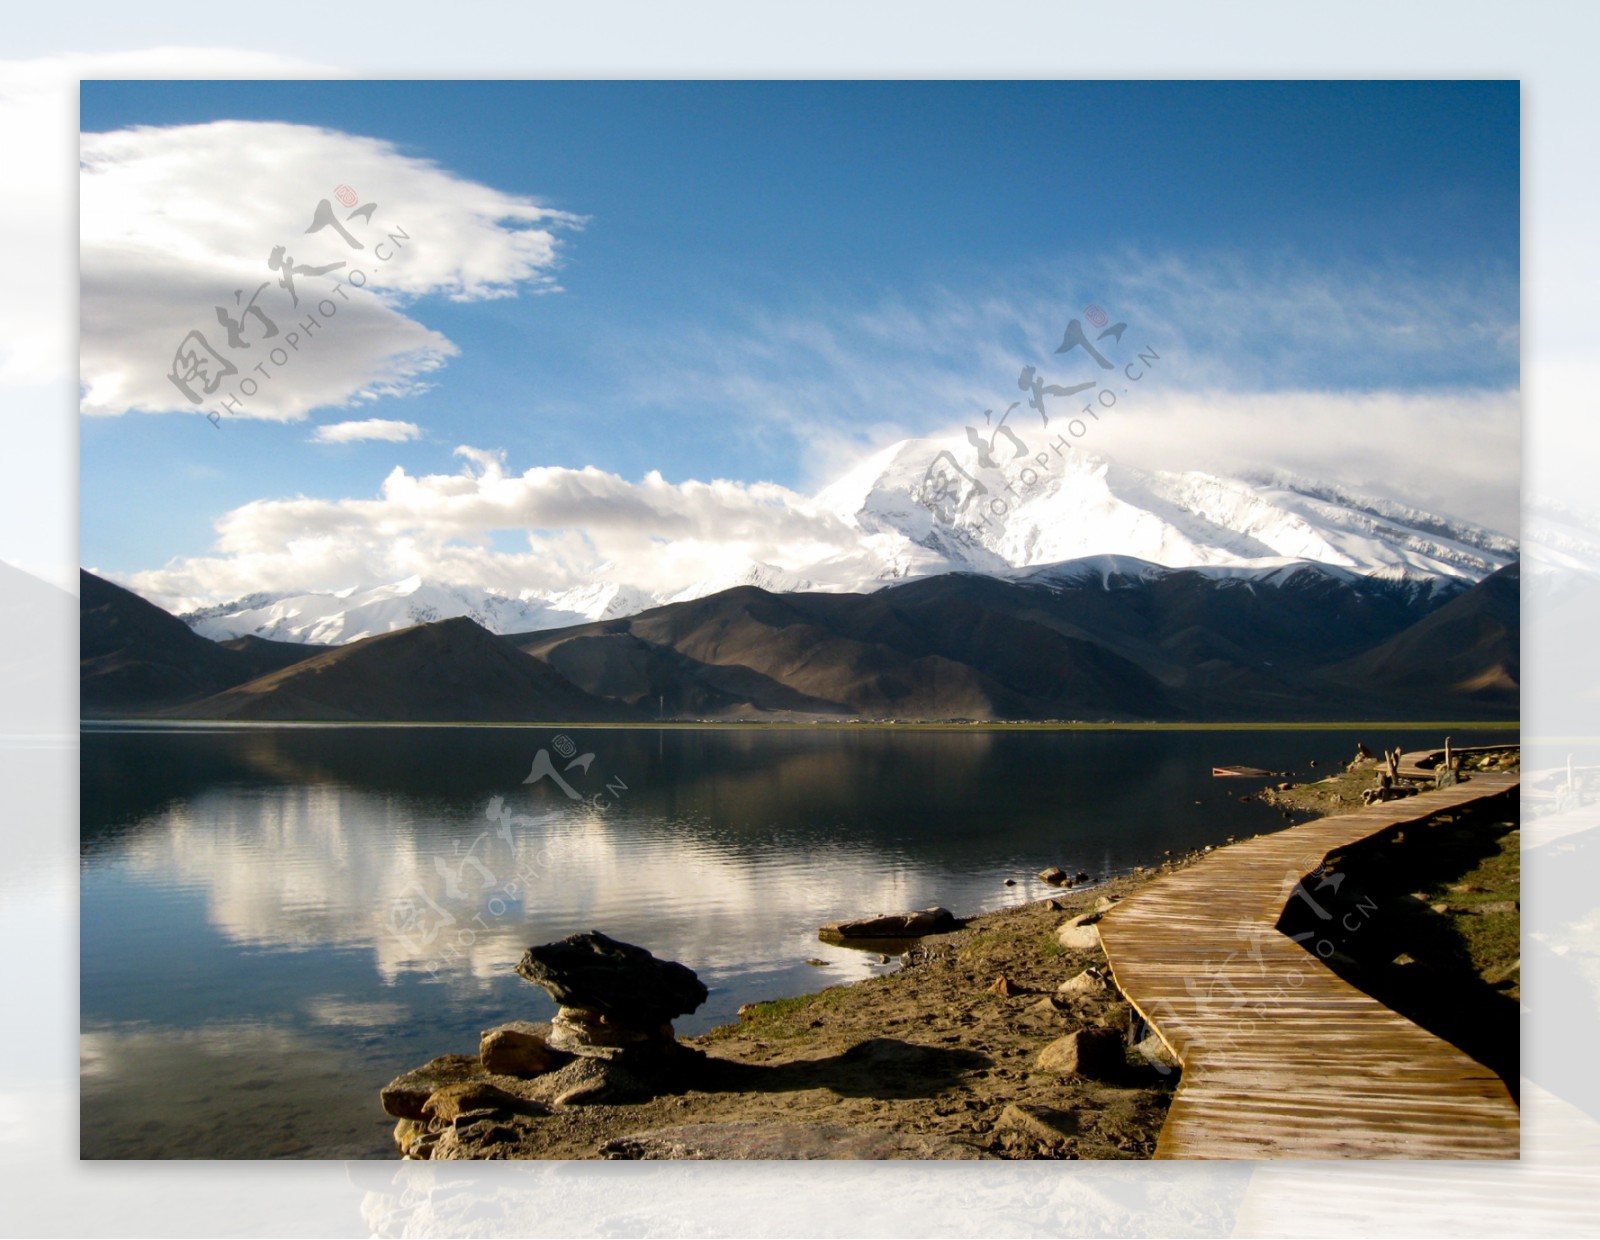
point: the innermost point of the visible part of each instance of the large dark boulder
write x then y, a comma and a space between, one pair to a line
625, 983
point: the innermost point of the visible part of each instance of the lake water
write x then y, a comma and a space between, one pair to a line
277, 921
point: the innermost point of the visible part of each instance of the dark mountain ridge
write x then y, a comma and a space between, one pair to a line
1092, 640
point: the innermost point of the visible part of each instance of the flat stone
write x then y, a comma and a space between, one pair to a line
476, 1099
519, 1048
1046, 1125
405, 1096
1088, 1052
588, 1082
892, 925
575, 1031
759, 1140
599, 974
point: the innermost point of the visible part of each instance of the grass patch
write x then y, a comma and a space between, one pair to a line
783, 1018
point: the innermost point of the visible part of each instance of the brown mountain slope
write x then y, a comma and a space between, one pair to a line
450, 670
135, 658
1167, 644
747, 651
1468, 649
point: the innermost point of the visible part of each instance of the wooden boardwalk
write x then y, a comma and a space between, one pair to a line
1281, 1057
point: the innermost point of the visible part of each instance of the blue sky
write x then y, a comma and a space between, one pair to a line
770, 279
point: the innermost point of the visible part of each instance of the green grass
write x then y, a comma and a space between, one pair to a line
783, 1018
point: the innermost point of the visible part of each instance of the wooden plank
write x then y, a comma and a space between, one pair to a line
1281, 1057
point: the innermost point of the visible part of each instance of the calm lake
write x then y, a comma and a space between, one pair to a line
277, 921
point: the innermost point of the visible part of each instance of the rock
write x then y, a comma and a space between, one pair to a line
1079, 933
578, 1031
475, 1100
1050, 1005
617, 1000
1155, 1052
816, 963
409, 1138
1011, 882
1089, 982
587, 1081
762, 1141
519, 1048
1082, 876
1088, 1052
1054, 875
1005, 987
596, 973
892, 925
1045, 1125
405, 1096
1284, 787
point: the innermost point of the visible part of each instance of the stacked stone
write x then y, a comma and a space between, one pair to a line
611, 1041
617, 1001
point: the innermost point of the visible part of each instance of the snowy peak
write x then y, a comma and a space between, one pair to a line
998, 506
1018, 504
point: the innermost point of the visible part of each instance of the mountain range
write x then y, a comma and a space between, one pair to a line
1100, 638
906, 513
998, 578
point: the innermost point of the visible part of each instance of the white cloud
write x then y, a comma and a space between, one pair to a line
1395, 381
371, 428
38, 245
1456, 453
576, 523
179, 222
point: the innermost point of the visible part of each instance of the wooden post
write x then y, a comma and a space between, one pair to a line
1447, 753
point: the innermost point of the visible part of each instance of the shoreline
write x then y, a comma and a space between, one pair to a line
929, 1061
949, 1055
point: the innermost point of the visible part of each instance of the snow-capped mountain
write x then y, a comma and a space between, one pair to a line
349, 615
1044, 508
927, 506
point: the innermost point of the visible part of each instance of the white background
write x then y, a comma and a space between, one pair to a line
45, 1191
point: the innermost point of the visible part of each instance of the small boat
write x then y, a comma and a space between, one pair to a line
1228, 772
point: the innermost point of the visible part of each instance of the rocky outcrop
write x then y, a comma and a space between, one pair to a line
913, 925
611, 1042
